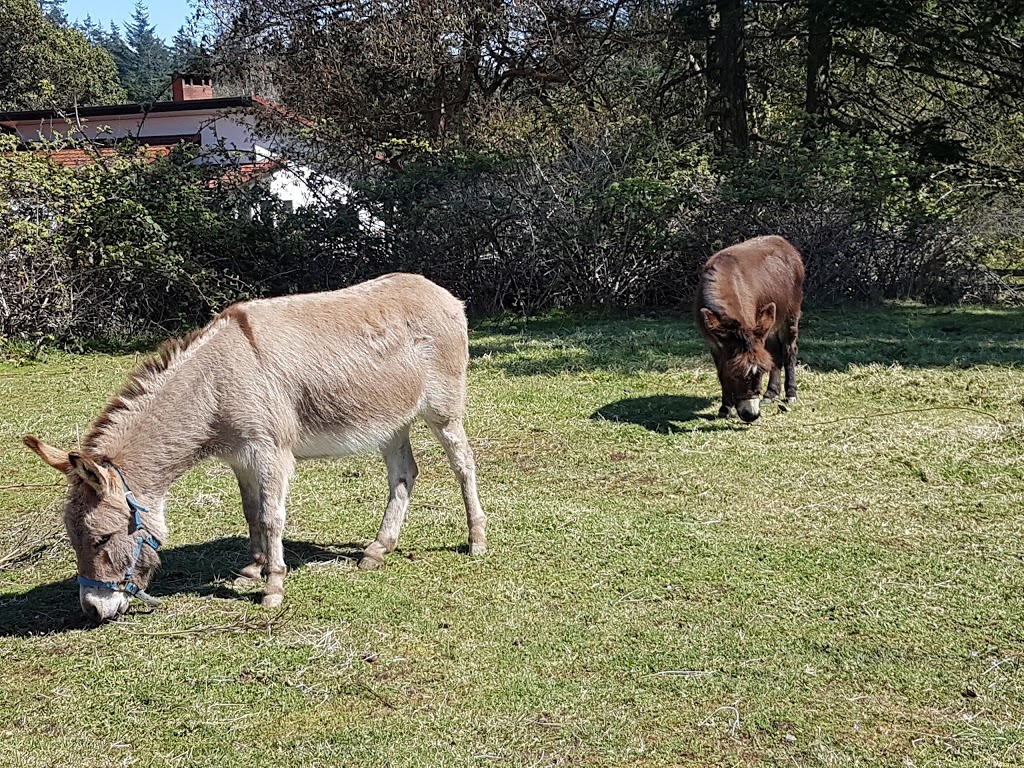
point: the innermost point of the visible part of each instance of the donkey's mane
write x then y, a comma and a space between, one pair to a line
711, 292
145, 381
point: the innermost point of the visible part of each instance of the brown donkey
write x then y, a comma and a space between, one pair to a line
265, 383
748, 310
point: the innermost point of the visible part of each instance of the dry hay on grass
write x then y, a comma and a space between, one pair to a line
30, 539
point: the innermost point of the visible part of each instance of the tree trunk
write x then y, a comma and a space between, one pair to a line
730, 60
819, 54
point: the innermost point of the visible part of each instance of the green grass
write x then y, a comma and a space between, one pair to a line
842, 584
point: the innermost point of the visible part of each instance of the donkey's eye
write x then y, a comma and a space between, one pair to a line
101, 540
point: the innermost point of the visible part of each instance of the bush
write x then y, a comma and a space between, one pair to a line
629, 225
129, 244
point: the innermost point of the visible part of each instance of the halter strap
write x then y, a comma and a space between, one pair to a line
144, 537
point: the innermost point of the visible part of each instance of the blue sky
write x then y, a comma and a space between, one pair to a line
167, 15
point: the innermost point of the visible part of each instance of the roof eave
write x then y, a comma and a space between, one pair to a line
115, 110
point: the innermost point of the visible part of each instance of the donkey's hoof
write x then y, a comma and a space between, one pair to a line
370, 563
724, 412
478, 549
791, 399
272, 600
251, 574
769, 398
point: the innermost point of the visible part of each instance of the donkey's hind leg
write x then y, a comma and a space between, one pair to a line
402, 473
452, 436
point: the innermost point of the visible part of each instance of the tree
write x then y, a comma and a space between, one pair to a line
54, 12
187, 53
411, 69
93, 32
49, 66
819, 61
144, 60
731, 75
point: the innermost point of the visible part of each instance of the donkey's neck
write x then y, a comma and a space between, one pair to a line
158, 426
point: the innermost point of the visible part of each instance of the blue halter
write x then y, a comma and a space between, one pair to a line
126, 584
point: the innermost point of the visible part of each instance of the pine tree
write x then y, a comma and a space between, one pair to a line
118, 51
45, 65
147, 60
53, 11
187, 55
93, 32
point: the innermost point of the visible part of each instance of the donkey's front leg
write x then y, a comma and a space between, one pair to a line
727, 407
774, 384
249, 487
727, 404
273, 468
790, 351
402, 473
774, 348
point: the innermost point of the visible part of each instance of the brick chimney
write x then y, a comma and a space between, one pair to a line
190, 87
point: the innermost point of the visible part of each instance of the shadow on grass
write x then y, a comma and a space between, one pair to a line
830, 340
196, 569
659, 413
914, 337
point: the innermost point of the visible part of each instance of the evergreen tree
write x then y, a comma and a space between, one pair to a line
93, 32
53, 12
187, 55
145, 62
118, 50
46, 65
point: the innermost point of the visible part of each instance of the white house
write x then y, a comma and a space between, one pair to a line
238, 130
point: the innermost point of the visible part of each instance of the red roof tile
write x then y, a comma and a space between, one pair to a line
238, 175
76, 158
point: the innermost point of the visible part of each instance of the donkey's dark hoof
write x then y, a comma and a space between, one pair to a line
769, 398
724, 412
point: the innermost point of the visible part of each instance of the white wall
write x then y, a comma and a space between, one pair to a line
236, 129
299, 184
303, 187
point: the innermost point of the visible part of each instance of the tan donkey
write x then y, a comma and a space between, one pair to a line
265, 383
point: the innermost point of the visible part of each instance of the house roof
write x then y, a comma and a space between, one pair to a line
222, 104
230, 176
153, 147
240, 175
76, 158
191, 105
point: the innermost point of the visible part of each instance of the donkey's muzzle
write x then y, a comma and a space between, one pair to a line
102, 604
749, 410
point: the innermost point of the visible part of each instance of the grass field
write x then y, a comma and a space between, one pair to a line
841, 584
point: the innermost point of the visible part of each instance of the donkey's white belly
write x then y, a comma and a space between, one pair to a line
330, 444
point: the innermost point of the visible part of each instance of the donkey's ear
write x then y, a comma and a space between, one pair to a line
711, 321
55, 457
91, 472
766, 318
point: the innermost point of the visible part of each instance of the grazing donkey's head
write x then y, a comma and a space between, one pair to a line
741, 357
116, 553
